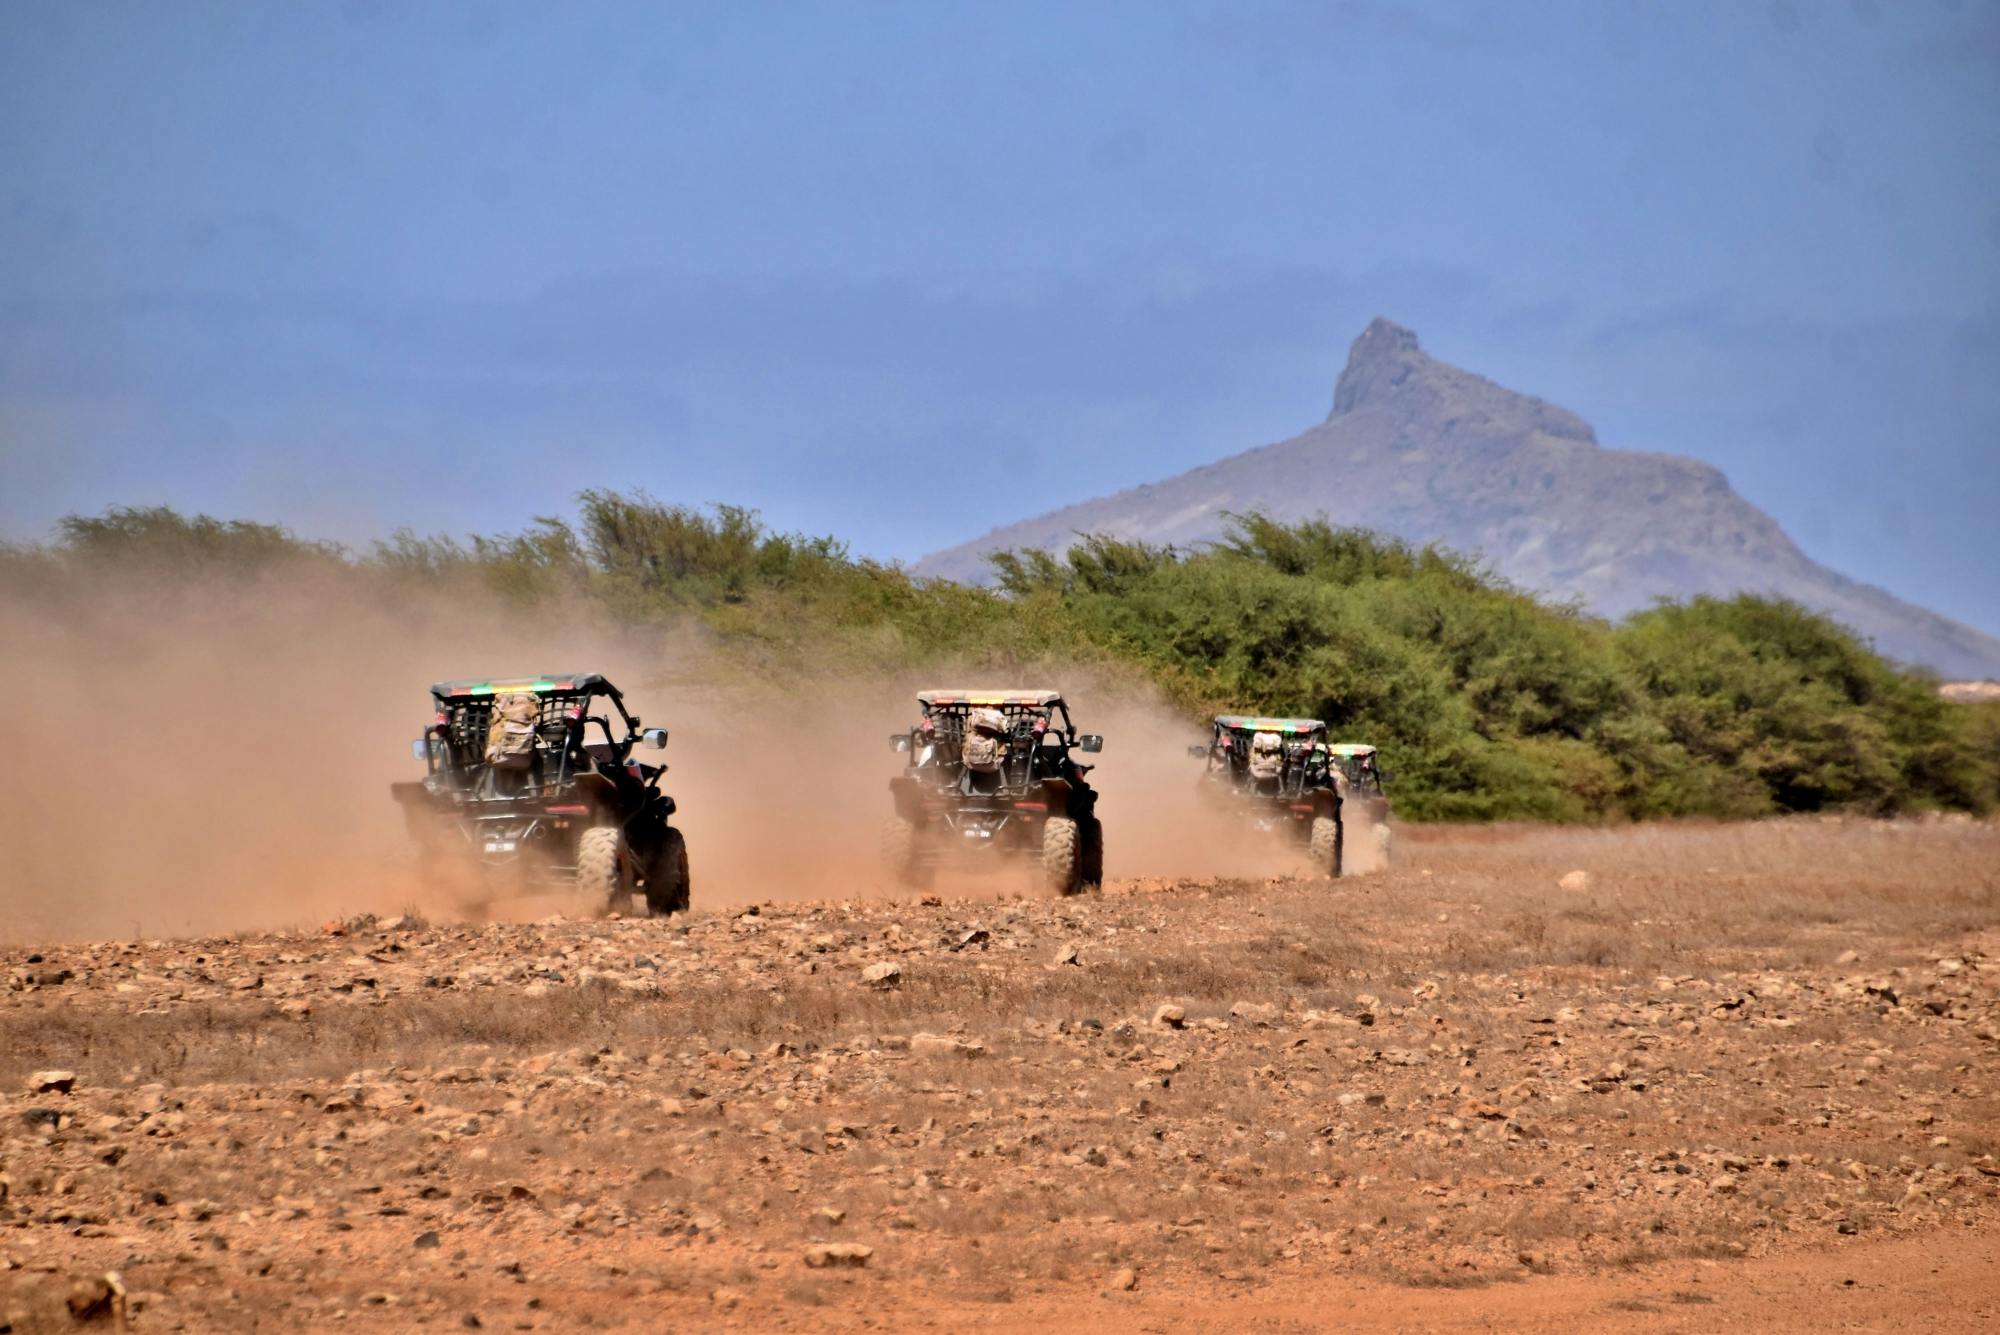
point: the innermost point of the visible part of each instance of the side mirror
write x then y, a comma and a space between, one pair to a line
420, 747
655, 738
1198, 752
899, 741
1090, 742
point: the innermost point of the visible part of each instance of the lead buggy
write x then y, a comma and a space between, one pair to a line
532, 781
1361, 767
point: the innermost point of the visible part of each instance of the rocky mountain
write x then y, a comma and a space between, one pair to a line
1432, 453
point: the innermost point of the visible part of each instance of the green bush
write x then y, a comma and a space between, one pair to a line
1795, 706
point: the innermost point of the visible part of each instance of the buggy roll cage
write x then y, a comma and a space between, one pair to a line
1304, 739
1308, 729
1014, 704
464, 710
1231, 734
945, 714
585, 684
1362, 763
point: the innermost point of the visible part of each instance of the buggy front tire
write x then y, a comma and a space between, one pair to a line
604, 867
667, 886
1328, 837
1062, 855
1093, 852
901, 855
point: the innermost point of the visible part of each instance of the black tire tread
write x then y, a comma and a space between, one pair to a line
899, 852
601, 874
667, 885
1093, 852
1328, 839
1062, 855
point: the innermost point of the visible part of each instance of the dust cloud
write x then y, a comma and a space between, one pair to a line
211, 758
783, 796
1155, 821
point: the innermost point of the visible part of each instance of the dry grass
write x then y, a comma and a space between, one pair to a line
1686, 898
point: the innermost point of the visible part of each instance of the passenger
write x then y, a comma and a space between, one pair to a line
1267, 757
511, 741
510, 737
983, 748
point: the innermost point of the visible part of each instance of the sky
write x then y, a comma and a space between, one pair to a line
904, 272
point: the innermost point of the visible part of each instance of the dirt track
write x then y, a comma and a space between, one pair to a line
1724, 1073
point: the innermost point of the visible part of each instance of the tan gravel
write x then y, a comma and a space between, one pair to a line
1728, 1046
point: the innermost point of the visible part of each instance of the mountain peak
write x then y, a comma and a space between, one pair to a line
1387, 370
1431, 452
1382, 338
1380, 360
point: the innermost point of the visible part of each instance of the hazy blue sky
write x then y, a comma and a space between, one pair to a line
902, 272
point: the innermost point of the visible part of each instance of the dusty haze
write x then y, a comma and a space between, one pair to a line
217, 757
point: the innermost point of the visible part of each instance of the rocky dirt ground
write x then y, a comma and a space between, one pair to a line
1679, 1076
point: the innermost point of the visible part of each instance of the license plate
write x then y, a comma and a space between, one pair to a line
500, 845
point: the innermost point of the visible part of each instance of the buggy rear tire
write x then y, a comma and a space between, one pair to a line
1329, 835
604, 867
901, 854
1062, 855
1093, 852
667, 886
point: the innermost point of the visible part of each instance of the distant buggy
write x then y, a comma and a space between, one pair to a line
532, 781
1280, 776
995, 774
1361, 766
